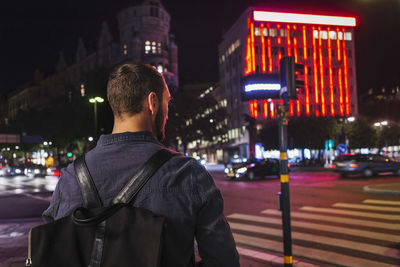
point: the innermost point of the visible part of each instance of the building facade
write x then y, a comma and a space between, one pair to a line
255, 44
144, 36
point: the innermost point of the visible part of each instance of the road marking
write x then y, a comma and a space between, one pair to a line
374, 249
307, 252
353, 213
381, 202
305, 215
320, 227
365, 207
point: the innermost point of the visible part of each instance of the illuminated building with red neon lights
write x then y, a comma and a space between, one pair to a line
259, 39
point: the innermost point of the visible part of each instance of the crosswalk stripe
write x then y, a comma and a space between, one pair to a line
306, 215
353, 213
365, 207
378, 250
320, 227
307, 252
381, 202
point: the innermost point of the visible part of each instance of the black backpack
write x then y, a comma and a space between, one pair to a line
98, 236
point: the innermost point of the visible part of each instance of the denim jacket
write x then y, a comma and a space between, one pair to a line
182, 191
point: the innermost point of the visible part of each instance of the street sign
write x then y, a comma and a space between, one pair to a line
341, 149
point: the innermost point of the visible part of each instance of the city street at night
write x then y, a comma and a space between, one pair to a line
335, 221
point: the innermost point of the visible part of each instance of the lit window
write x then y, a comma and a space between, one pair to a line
257, 31
340, 36
82, 90
265, 32
332, 35
273, 32
347, 36
282, 32
153, 48
159, 48
315, 33
160, 68
147, 47
125, 49
324, 35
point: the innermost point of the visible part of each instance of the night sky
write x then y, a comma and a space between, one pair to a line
34, 32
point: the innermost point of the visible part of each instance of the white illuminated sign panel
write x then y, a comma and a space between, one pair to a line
304, 18
262, 87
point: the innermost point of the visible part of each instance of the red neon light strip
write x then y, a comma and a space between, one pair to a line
338, 45
291, 108
346, 81
341, 92
253, 56
331, 75
304, 43
307, 91
251, 109
279, 57
295, 49
247, 70
321, 70
315, 74
279, 34
264, 67
269, 55
265, 109
272, 106
298, 108
288, 41
303, 18
255, 109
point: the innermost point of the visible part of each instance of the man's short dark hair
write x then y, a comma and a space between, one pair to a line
129, 84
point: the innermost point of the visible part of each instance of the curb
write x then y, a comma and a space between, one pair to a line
368, 189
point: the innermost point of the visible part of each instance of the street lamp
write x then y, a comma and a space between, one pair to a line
94, 101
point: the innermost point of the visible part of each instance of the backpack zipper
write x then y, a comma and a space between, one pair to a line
28, 262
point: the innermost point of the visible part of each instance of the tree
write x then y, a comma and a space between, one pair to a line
362, 134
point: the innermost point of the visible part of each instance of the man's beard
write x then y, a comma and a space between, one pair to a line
159, 125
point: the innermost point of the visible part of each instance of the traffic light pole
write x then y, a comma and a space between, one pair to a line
288, 91
284, 200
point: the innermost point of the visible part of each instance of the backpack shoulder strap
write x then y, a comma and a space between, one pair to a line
90, 194
136, 183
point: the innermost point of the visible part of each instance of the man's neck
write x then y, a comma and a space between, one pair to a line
135, 123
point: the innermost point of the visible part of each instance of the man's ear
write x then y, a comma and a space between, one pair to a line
152, 100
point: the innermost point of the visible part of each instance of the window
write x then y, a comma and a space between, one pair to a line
153, 47
147, 47
159, 48
257, 31
332, 35
282, 32
340, 35
265, 32
324, 35
347, 36
273, 32
125, 49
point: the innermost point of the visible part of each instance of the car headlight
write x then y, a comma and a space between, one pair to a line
36, 171
241, 170
203, 161
17, 171
226, 170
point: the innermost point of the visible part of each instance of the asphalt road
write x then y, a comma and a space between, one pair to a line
334, 222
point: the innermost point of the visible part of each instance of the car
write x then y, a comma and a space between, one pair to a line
253, 169
34, 170
13, 170
364, 164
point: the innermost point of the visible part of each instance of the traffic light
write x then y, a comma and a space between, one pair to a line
69, 154
290, 79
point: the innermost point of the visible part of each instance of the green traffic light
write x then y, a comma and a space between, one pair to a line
69, 154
